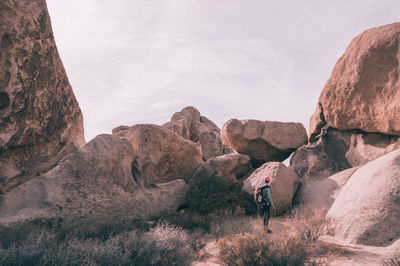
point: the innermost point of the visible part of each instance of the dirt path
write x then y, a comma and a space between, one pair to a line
360, 255
350, 255
208, 255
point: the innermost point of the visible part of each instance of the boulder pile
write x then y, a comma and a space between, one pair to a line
349, 165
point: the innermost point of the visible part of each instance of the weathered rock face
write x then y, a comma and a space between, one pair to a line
367, 210
284, 184
338, 150
39, 114
95, 181
362, 92
264, 141
231, 166
189, 124
320, 194
161, 155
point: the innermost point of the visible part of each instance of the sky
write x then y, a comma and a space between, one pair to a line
132, 62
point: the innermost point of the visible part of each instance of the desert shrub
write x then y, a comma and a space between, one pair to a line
213, 196
261, 249
228, 226
189, 221
161, 245
392, 260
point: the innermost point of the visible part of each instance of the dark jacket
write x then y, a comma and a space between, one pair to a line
266, 194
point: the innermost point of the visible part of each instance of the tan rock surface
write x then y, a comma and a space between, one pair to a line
362, 92
189, 124
231, 166
321, 194
367, 209
263, 141
161, 155
95, 182
39, 114
338, 150
284, 184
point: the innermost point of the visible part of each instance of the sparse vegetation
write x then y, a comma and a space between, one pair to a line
213, 196
161, 245
392, 260
262, 249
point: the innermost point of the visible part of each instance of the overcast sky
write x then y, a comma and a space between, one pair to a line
132, 61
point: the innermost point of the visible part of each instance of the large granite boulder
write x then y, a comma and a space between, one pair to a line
367, 209
264, 140
284, 184
39, 114
362, 92
160, 154
231, 166
338, 150
320, 194
189, 124
95, 182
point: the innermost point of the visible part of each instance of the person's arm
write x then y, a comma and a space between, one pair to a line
269, 197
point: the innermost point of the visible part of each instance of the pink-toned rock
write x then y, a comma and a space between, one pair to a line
263, 140
189, 124
337, 150
39, 114
95, 184
230, 166
284, 184
362, 92
161, 155
367, 209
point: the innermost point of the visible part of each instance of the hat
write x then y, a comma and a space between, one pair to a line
267, 179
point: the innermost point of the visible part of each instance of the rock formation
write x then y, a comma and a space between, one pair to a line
231, 166
160, 154
367, 209
94, 182
189, 124
322, 193
263, 141
338, 150
39, 114
284, 184
362, 92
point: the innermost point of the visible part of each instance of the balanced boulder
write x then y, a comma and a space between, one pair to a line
189, 124
284, 184
160, 154
39, 114
264, 141
231, 166
362, 92
367, 209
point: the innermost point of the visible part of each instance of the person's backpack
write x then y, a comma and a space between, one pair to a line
258, 195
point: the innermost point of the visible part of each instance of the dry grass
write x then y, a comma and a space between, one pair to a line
392, 260
262, 249
161, 245
294, 241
